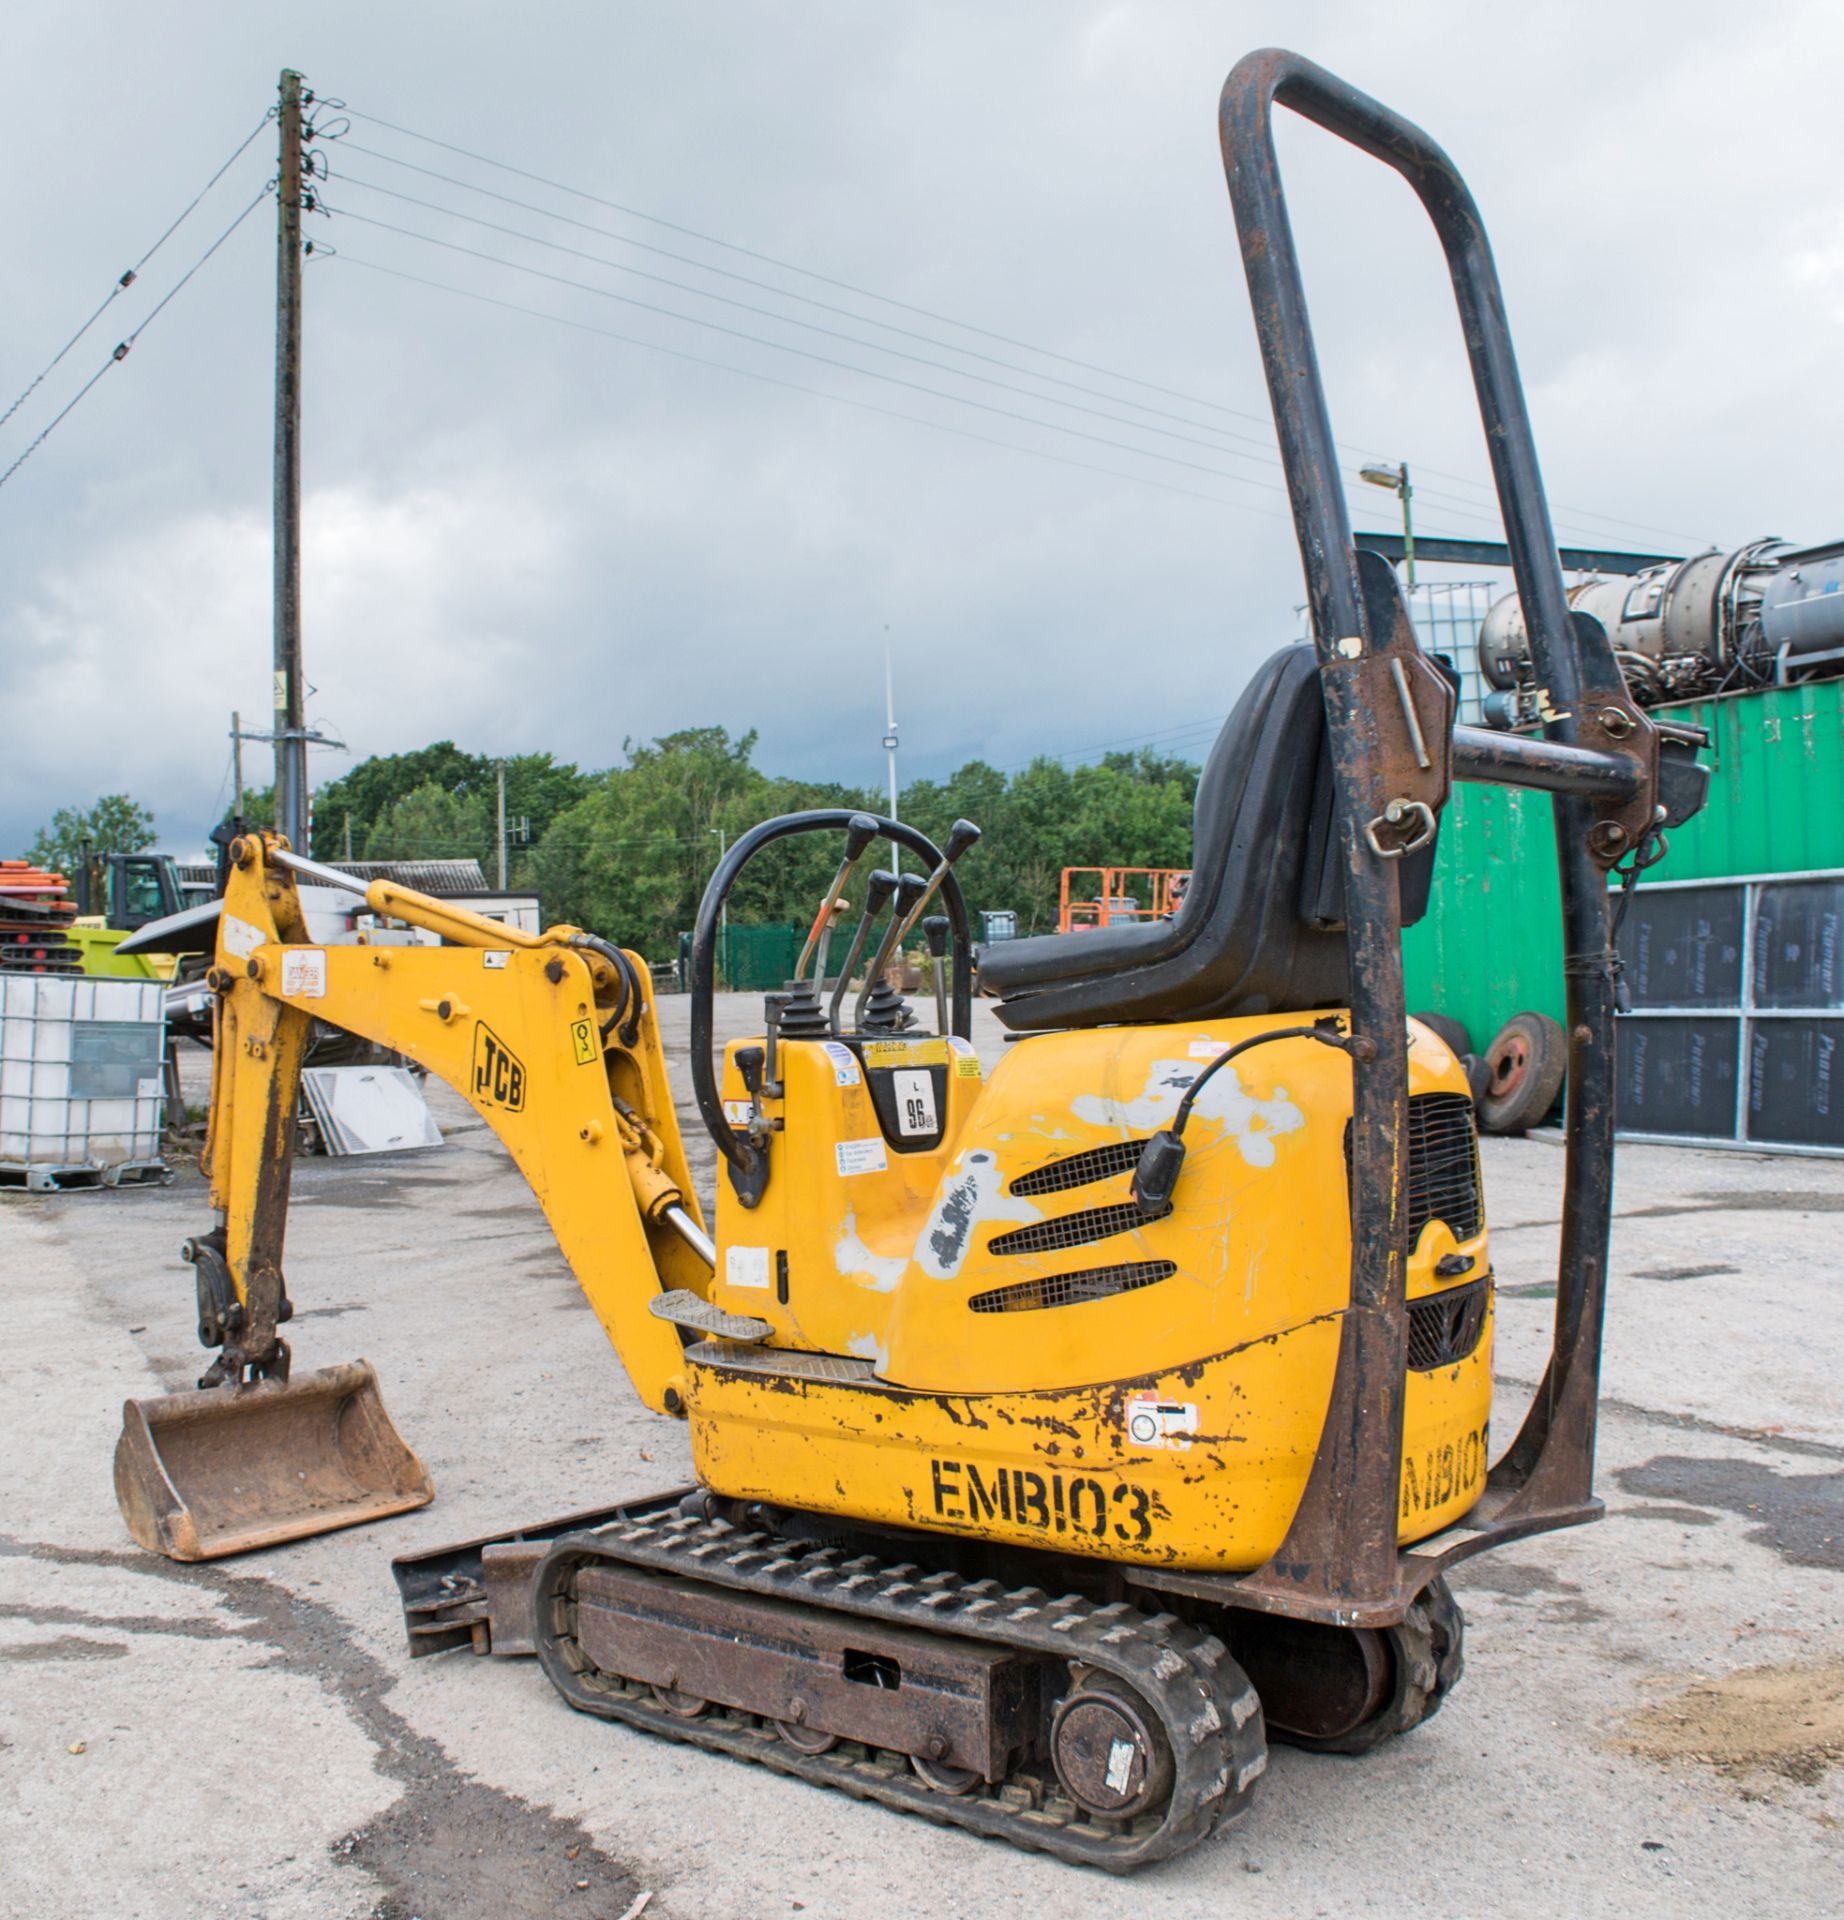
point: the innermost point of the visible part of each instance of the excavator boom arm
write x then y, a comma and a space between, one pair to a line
537, 1034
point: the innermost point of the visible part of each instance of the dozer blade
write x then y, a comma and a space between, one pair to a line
225, 1469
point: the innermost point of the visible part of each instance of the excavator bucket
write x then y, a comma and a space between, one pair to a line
202, 1474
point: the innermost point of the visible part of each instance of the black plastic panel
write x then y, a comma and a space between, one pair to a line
1682, 946
1798, 929
1796, 1083
1678, 1076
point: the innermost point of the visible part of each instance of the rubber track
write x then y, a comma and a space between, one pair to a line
1203, 1700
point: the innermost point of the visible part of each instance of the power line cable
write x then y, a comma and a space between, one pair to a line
1263, 446
803, 353
793, 386
927, 313
1265, 456
122, 350
1265, 451
789, 320
128, 279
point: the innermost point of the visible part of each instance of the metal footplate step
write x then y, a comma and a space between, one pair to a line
685, 1309
925, 1691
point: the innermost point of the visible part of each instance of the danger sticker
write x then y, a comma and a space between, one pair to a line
860, 1156
304, 973
582, 1042
497, 958
1152, 1422
844, 1065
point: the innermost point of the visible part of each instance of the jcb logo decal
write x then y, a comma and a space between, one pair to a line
499, 1073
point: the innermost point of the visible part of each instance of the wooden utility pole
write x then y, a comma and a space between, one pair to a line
290, 693
500, 838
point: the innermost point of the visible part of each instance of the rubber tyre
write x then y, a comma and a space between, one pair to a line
1526, 1062
1427, 1650
1446, 1027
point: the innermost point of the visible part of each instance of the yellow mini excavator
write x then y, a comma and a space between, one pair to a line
1063, 1432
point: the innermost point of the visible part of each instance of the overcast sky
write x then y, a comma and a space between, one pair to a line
523, 534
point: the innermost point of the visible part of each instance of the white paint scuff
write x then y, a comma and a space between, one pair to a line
1252, 1124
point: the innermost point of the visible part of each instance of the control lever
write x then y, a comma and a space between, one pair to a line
860, 831
935, 932
750, 1062
961, 835
911, 891
878, 889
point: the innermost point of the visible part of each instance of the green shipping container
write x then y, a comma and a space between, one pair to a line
1490, 944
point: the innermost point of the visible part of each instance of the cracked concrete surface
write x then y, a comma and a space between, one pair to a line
254, 1741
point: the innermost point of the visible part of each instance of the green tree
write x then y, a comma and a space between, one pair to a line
430, 823
365, 793
538, 788
115, 824
631, 857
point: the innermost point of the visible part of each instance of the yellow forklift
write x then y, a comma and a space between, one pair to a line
1064, 1431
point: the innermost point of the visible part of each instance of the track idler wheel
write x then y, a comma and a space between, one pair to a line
1109, 1753
1418, 1662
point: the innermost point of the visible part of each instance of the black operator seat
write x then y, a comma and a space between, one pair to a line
1261, 927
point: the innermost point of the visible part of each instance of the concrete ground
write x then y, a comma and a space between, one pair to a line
1652, 1719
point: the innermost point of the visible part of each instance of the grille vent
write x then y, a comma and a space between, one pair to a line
1075, 1229
1443, 1165
1445, 1328
1081, 1169
1070, 1289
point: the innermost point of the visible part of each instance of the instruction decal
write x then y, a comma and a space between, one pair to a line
498, 957
304, 973
844, 1065
499, 1073
966, 1061
582, 1040
860, 1156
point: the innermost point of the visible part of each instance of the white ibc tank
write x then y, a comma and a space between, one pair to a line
80, 1084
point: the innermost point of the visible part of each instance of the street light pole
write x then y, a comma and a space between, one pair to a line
723, 915
896, 852
1396, 479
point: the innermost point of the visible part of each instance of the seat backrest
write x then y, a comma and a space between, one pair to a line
1261, 927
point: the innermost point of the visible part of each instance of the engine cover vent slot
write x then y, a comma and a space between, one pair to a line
1074, 1229
1444, 1328
1443, 1165
1071, 1289
1081, 1169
